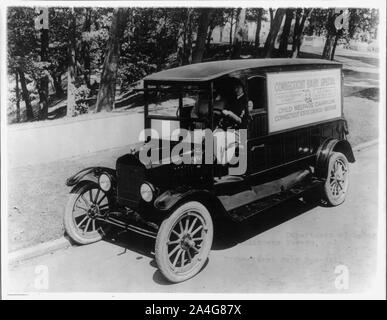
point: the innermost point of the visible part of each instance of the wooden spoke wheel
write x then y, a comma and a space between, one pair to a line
337, 180
85, 209
184, 241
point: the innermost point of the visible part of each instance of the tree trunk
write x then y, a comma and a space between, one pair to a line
43, 85
26, 95
283, 48
17, 97
209, 37
204, 20
231, 24
181, 40
271, 12
185, 52
71, 66
86, 49
258, 31
238, 37
271, 37
57, 79
329, 47
331, 41
107, 87
298, 35
296, 29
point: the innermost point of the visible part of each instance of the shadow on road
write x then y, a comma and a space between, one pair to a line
235, 233
230, 235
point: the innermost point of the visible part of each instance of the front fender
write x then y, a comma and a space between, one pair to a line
325, 150
95, 171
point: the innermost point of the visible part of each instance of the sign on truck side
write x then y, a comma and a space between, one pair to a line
299, 98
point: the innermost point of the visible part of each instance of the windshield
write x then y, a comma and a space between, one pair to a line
175, 101
177, 107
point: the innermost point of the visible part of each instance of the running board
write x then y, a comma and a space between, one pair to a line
131, 227
246, 211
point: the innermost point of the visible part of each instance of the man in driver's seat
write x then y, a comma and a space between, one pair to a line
235, 107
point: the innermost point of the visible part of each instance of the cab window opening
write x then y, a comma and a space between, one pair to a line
257, 90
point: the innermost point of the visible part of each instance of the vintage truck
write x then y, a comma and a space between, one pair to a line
294, 142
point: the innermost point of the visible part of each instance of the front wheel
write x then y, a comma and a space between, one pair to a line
337, 180
184, 241
85, 206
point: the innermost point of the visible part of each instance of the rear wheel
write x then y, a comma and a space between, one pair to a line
85, 207
184, 241
337, 180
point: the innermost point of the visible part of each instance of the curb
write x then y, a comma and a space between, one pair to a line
64, 243
38, 250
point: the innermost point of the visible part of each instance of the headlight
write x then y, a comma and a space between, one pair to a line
104, 182
146, 191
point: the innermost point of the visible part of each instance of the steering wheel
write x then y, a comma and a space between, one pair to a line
224, 121
219, 117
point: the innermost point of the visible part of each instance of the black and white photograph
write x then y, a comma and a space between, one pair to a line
174, 148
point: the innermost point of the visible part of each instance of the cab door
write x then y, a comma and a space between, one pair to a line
257, 124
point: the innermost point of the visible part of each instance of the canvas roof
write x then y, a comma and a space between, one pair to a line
207, 71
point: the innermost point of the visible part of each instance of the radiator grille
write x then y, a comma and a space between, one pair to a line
129, 180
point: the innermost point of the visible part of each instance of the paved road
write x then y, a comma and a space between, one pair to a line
293, 248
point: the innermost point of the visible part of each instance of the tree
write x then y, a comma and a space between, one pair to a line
238, 38
42, 23
332, 36
231, 15
71, 89
256, 15
25, 94
301, 17
58, 57
283, 48
218, 18
271, 13
185, 35
21, 46
362, 24
274, 29
204, 20
258, 30
86, 48
107, 87
17, 96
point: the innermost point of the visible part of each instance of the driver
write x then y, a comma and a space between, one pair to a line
235, 106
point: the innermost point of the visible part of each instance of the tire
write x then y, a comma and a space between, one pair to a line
337, 179
184, 241
84, 205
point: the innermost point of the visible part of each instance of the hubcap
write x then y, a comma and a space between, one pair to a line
93, 211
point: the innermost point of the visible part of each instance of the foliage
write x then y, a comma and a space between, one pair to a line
362, 24
153, 39
81, 94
